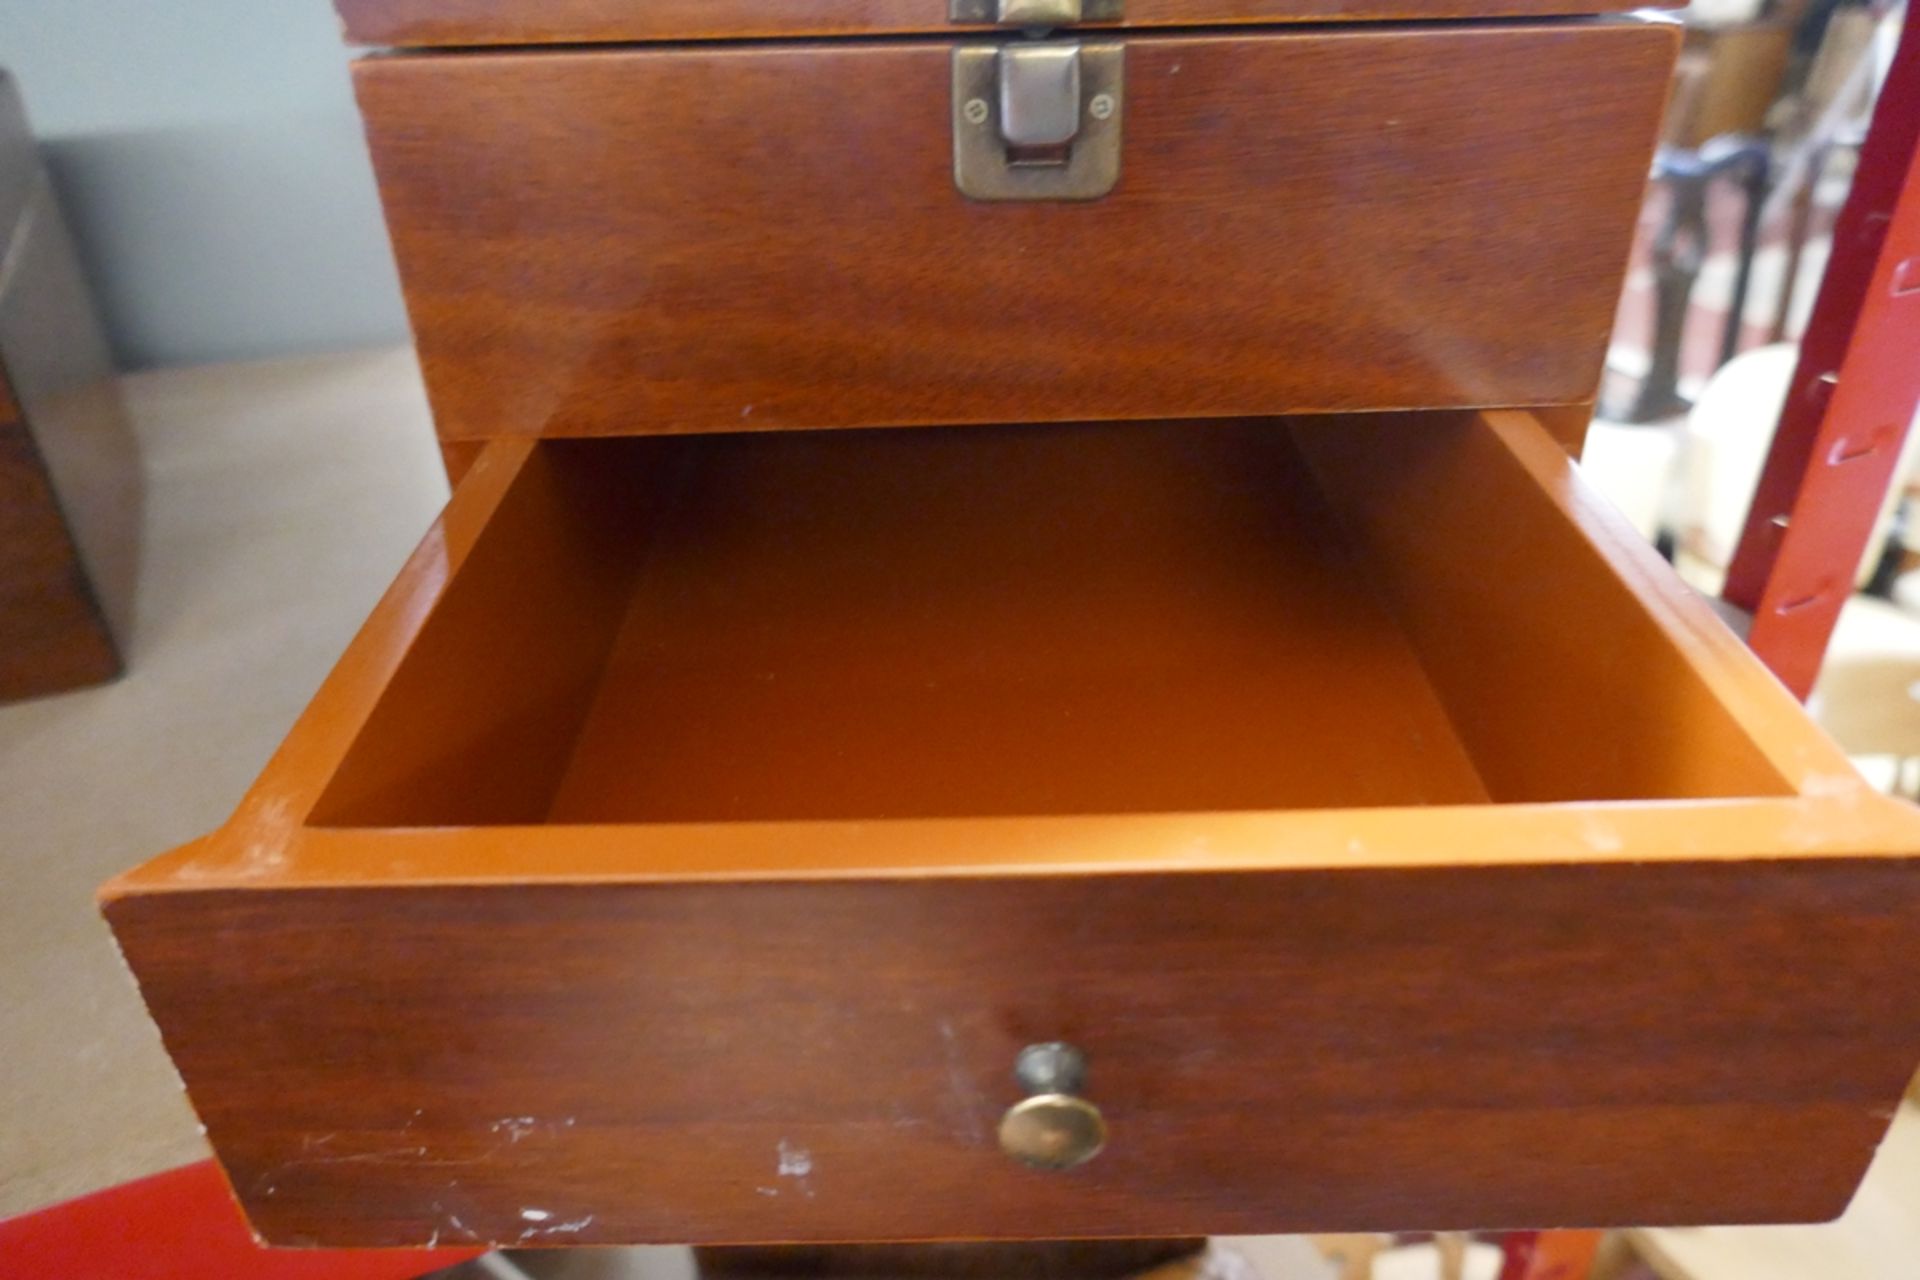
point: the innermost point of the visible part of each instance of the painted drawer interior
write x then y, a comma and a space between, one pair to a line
1030, 620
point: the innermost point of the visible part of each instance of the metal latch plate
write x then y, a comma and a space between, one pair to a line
988, 163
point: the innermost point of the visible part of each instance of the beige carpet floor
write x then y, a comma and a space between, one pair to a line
281, 499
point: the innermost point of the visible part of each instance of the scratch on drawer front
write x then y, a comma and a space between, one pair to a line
453, 1220
397, 1155
515, 1127
795, 1162
967, 1102
541, 1218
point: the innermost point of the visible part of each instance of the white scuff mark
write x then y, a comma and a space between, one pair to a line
1600, 837
515, 1127
310, 1141
795, 1161
262, 858
535, 1215
967, 1100
747, 411
274, 820
433, 1241
768, 1191
1825, 785
453, 1220
558, 1228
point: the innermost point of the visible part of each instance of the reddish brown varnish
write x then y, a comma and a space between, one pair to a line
1399, 838
70, 485
708, 815
496, 22
752, 237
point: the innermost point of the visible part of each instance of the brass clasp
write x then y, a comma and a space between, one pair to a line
1037, 119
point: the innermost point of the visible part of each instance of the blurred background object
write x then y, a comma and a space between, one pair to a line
1772, 151
1770, 104
69, 474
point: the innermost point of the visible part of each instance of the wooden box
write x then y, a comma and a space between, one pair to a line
1208, 656
70, 482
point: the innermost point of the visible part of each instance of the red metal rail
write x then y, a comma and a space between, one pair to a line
182, 1225
1849, 405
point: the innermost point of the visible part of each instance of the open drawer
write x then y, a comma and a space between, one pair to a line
701, 826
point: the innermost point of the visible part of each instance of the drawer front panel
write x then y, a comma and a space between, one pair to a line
702, 239
1325, 1050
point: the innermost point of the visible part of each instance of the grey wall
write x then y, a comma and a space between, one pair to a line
211, 163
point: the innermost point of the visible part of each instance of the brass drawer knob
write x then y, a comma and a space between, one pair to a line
1052, 1128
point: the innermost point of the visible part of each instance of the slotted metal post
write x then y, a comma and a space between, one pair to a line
1849, 405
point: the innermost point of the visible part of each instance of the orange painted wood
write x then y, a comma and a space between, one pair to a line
1566, 423
482, 974
485, 22
1377, 218
1140, 608
1663, 731
457, 456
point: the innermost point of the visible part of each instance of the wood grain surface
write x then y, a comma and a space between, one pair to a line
52, 636
714, 238
1337, 1050
439, 1011
493, 22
